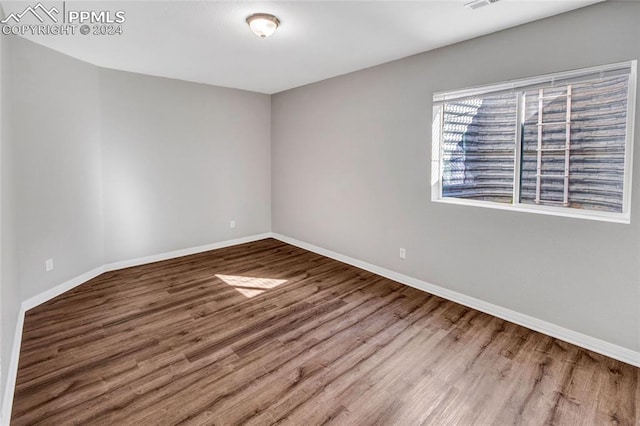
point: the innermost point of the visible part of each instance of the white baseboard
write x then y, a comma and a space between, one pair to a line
12, 371
74, 282
184, 252
39, 299
596, 345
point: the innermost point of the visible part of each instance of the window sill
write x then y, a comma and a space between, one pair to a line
546, 210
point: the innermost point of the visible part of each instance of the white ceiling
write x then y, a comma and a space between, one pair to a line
209, 42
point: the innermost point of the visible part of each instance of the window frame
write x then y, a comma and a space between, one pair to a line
517, 87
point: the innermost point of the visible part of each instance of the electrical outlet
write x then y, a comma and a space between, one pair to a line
403, 253
48, 265
232, 224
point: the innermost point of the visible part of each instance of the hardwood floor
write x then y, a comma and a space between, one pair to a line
267, 333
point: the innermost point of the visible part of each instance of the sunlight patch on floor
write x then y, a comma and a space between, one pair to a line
250, 286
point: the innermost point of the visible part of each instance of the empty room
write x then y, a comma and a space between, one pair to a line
319, 212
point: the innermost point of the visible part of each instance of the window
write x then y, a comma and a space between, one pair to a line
556, 144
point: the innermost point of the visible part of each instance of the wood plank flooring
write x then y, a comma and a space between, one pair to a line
266, 333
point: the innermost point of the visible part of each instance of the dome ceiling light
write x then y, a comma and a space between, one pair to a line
263, 24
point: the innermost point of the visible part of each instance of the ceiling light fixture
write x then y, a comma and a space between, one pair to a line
263, 24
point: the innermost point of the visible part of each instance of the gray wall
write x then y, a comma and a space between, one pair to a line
58, 187
181, 160
112, 166
9, 291
351, 173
